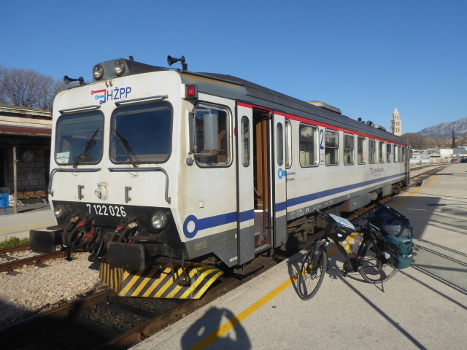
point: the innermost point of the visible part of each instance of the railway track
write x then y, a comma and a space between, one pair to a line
416, 180
15, 262
17, 248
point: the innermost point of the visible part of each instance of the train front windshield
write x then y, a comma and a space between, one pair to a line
79, 138
141, 134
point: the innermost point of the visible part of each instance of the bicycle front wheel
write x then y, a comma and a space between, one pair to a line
375, 268
312, 271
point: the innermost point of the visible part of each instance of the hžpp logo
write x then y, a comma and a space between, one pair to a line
111, 95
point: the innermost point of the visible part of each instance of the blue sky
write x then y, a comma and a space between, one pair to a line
366, 57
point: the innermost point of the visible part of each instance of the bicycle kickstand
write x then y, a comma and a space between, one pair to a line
382, 280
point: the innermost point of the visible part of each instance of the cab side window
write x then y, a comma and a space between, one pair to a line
212, 140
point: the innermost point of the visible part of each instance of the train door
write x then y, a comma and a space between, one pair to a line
279, 180
261, 180
245, 188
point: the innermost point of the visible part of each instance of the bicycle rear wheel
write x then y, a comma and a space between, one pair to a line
375, 268
312, 271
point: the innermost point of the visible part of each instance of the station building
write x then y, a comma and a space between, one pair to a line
25, 135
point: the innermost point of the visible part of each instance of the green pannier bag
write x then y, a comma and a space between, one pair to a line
398, 235
399, 250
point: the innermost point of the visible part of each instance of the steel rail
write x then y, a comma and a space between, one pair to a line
34, 260
16, 248
144, 330
21, 329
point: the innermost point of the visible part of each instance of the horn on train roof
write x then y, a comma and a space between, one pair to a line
171, 60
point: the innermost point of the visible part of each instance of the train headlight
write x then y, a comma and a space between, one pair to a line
60, 212
159, 220
119, 67
98, 71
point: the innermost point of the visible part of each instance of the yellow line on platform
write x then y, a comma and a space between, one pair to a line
432, 179
13, 228
211, 338
406, 197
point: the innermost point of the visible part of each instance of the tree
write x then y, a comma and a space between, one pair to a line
28, 88
453, 139
462, 141
417, 141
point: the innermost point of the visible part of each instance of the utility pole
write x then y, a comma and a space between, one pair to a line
15, 187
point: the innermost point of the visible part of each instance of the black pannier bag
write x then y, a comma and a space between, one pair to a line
390, 221
398, 234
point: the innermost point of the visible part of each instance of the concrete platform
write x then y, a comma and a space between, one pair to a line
421, 307
29, 217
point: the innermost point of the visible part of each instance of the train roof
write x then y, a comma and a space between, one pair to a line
239, 89
264, 97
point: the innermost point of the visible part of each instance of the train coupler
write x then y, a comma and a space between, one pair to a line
126, 256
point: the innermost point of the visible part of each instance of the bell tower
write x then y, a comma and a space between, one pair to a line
396, 123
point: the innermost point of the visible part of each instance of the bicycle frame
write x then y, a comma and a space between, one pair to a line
370, 261
352, 264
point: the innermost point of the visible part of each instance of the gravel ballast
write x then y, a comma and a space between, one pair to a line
30, 290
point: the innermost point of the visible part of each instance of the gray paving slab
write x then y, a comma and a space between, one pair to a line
29, 217
421, 307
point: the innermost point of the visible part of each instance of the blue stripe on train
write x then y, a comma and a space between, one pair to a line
192, 224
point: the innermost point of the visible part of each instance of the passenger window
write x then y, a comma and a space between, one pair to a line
331, 149
288, 144
280, 144
361, 150
389, 152
372, 151
348, 149
212, 139
381, 152
308, 145
245, 142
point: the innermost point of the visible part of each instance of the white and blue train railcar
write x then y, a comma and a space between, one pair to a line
161, 174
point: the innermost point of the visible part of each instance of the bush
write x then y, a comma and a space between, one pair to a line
13, 241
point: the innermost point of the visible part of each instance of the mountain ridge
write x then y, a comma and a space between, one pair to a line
445, 129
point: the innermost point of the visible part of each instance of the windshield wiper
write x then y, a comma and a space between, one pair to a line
87, 148
126, 148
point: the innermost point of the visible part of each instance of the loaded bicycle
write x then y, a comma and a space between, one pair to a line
375, 260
